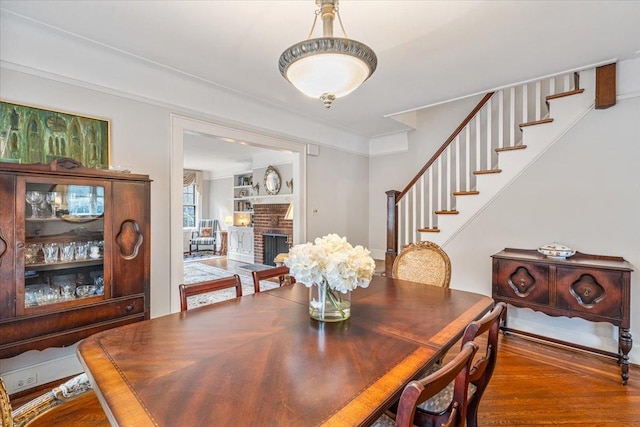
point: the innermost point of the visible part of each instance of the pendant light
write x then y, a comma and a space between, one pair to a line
327, 67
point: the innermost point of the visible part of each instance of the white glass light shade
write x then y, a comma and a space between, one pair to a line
337, 74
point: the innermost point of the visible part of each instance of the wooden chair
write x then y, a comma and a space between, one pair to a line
423, 262
44, 404
281, 272
483, 366
209, 286
409, 412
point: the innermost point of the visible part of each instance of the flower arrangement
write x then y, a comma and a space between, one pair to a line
333, 266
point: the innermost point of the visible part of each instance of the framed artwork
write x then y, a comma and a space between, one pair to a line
34, 135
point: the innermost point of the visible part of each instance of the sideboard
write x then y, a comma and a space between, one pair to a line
593, 287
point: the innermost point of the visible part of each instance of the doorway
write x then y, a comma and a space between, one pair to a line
182, 125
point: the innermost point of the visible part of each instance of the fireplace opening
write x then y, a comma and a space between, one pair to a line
274, 244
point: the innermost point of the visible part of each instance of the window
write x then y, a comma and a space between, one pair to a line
189, 198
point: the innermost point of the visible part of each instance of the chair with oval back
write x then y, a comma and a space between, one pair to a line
423, 262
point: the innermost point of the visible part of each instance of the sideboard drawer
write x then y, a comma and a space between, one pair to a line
521, 281
590, 291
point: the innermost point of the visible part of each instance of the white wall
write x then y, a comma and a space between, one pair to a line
221, 199
337, 197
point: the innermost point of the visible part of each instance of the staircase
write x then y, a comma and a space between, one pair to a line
499, 139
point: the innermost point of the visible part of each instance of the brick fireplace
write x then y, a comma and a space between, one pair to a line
268, 218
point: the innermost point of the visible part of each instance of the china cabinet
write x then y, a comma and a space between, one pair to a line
74, 253
593, 287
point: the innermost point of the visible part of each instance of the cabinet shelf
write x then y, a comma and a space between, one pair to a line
41, 266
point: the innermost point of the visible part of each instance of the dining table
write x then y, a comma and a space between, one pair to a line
261, 360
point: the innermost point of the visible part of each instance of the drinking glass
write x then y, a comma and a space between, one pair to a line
66, 251
31, 253
34, 198
51, 200
50, 252
81, 249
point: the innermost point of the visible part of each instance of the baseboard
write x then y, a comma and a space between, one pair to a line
32, 376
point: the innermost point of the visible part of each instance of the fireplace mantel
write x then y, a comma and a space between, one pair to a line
268, 199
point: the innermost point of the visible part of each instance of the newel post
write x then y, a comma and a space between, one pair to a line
392, 231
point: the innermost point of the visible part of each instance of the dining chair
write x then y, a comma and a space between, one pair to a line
282, 273
409, 411
483, 332
209, 286
29, 413
423, 262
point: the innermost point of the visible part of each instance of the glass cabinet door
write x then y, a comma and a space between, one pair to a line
64, 231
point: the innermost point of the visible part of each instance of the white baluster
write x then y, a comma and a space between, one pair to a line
430, 202
512, 117
467, 169
552, 86
525, 103
440, 183
422, 201
400, 225
458, 162
447, 196
538, 98
501, 119
406, 219
414, 215
567, 83
489, 136
478, 151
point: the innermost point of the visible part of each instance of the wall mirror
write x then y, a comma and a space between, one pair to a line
272, 180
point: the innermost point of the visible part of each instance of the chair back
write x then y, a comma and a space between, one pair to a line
209, 286
417, 392
207, 227
485, 364
280, 272
423, 262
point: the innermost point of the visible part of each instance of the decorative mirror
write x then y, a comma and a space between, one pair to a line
272, 180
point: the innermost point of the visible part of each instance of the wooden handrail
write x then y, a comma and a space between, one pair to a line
437, 154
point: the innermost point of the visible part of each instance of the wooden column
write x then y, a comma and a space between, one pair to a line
606, 86
392, 231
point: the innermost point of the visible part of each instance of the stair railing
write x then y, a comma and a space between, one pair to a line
492, 126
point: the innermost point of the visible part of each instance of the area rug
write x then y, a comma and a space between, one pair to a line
195, 272
200, 256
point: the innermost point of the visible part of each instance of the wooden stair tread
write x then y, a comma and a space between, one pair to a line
515, 147
429, 230
447, 212
484, 172
536, 122
563, 94
465, 193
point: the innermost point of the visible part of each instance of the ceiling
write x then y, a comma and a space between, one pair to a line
428, 51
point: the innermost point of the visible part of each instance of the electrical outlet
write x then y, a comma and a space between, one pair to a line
27, 379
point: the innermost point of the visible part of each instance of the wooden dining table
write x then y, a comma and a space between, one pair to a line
260, 359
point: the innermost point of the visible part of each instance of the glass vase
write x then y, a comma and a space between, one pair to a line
328, 305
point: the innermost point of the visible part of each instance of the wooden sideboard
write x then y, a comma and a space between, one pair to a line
592, 287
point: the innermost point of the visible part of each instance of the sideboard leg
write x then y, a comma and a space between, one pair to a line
625, 342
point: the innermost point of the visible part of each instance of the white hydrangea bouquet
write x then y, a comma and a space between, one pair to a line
331, 268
